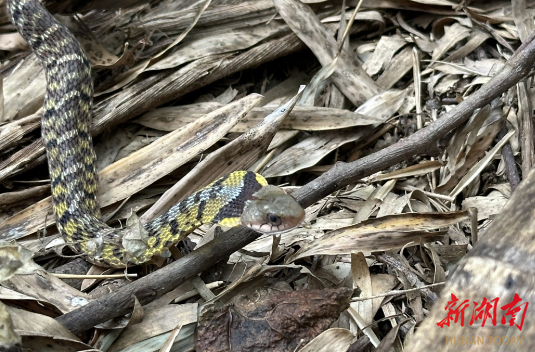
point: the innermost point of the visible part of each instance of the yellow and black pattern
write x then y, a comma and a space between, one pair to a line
72, 162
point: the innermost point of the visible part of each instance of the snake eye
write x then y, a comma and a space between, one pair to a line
274, 219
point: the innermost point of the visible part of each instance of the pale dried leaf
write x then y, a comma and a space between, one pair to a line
153, 331
12, 42
27, 322
301, 118
474, 171
383, 105
8, 336
53, 294
15, 259
135, 239
332, 340
310, 151
217, 43
349, 77
363, 282
383, 53
24, 89
452, 35
487, 206
396, 69
384, 233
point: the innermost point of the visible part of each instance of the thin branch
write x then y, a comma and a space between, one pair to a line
397, 292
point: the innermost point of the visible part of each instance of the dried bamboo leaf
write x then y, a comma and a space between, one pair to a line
9, 337
383, 53
366, 329
162, 87
454, 69
97, 54
9, 199
332, 340
382, 283
349, 77
497, 34
450, 253
476, 170
446, 84
126, 77
26, 222
523, 19
311, 150
25, 321
138, 98
10, 134
488, 67
380, 234
317, 84
452, 35
410, 29
49, 290
281, 137
440, 25
153, 330
383, 105
337, 220
487, 206
24, 89
371, 241
397, 68
436, 2
477, 37
301, 117
393, 204
369, 207
171, 20
217, 43
469, 145
362, 281
198, 10
19, 160
110, 146
30, 303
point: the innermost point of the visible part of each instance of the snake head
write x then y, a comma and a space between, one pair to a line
272, 211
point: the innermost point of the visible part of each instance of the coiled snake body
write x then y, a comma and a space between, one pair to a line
72, 162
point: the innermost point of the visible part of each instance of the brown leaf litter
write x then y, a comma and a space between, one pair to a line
188, 91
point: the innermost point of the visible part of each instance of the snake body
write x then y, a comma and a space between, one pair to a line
66, 134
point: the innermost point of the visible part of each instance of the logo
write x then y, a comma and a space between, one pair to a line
487, 312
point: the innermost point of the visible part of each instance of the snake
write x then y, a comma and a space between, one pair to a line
239, 198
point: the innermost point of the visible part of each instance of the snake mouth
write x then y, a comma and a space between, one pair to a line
269, 229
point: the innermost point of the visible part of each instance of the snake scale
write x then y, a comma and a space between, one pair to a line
242, 197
